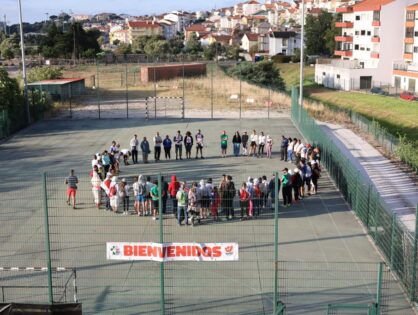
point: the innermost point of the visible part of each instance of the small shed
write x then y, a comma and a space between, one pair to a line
60, 89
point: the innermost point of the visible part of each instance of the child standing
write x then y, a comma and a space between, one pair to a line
216, 201
269, 146
244, 198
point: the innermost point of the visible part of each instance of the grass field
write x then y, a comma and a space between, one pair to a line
397, 115
290, 74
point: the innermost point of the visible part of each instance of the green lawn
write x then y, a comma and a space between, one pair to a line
290, 74
395, 114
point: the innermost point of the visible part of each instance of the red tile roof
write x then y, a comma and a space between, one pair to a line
143, 24
370, 5
196, 28
252, 37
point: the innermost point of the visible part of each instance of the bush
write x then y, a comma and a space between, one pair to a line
281, 59
44, 73
408, 153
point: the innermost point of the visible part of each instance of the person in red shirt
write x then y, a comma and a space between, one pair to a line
244, 198
216, 201
257, 197
173, 188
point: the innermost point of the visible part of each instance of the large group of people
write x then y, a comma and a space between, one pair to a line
198, 201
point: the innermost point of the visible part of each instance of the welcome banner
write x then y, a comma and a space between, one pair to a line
172, 251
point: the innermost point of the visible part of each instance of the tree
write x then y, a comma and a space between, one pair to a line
316, 29
296, 55
156, 47
213, 50
262, 73
123, 49
44, 73
253, 50
9, 48
116, 42
331, 33
193, 46
232, 52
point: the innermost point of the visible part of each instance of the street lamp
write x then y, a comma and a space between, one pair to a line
302, 48
22, 48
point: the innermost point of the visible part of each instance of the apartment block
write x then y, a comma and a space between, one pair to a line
143, 28
371, 39
405, 71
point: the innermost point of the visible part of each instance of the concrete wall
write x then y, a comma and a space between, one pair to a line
168, 72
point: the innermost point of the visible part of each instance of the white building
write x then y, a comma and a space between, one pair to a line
182, 20
405, 72
283, 43
372, 39
169, 28
250, 7
249, 40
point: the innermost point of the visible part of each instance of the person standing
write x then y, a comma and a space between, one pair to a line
261, 144
316, 174
181, 198
167, 147
157, 146
114, 194
188, 144
145, 150
134, 144
224, 143
253, 140
244, 142
96, 183
155, 199
296, 184
164, 194
124, 195
173, 188
230, 186
283, 149
199, 144
71, 181
236, 142
178, 142
286, 188
269, 146
244, 198
106, 161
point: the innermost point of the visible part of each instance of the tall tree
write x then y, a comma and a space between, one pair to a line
316, 38
193, 45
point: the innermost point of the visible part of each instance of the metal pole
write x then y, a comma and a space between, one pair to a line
71, 98
97, 86
392, 239
155, 92
47, 240
276, 239
240, 91
22, 49
268, 104
379, 287
126, 90
211, 91
75, 285
302, 52
162, 298
414, 262
183, 101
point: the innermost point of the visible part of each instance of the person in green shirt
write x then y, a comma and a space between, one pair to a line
224, 143
154, 196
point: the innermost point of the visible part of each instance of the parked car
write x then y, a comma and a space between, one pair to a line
408, 96
378, 90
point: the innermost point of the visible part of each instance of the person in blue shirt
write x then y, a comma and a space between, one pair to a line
145, 150
167, 147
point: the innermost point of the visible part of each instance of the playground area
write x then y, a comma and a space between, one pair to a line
325, 255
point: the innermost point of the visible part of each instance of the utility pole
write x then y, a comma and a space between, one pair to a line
74, 43
302, 52
5, 25
47, 17
22, 48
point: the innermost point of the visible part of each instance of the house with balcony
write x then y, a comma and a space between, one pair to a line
371, 39
405, 71
143, 28
283, 43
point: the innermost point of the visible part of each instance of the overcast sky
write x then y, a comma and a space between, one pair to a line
34, 10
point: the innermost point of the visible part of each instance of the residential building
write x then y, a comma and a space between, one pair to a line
82, 17
198, 29
143, 28
169, 28
262, 28
372, 39
283, 43
405, 72
181, 19
250, 7
249, 40
120, 35
263, 43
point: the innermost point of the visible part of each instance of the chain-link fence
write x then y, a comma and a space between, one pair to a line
394, 239
120, 91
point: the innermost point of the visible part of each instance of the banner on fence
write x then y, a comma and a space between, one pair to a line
172, 251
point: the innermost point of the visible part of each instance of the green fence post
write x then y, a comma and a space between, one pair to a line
414, 261
276, 239
357, 192
47, 240
379, 287
126, 90
160, 214
375, 219
368, 205
392, 239
97, 87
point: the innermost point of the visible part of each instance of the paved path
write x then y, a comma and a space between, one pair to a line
398, 191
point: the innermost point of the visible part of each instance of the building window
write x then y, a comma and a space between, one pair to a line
362, 48
357, 33
357, 17
338, 76
409, 32
363, 32
367, 49
408, 49
356, 47
410, 15
369, 33
376, 15
415, 49
323, 73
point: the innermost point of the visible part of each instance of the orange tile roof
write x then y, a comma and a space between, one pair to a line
370, 5
143, 24
412, 7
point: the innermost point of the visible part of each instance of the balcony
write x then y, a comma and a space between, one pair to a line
410, 23
339, 63
343, 53
376, 23
408, 56
375, 39
374, 54
344, 39
344, 24
409, 40
345, 10
401, 66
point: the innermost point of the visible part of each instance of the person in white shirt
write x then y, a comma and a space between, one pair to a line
134, 144
157, 146
261, 144
94, 162
125, 153
199, 144
253, 143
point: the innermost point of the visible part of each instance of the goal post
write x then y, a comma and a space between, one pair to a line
165, 106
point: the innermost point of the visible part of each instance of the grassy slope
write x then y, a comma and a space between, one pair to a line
290, 74
397, 115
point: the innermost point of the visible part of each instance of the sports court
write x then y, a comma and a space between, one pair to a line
320, 229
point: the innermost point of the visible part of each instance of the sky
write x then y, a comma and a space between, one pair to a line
34, 10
